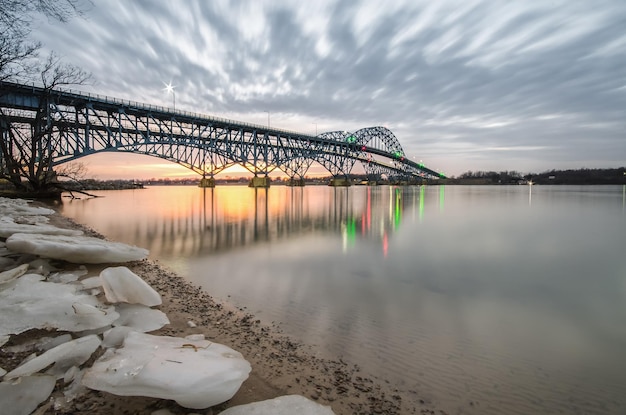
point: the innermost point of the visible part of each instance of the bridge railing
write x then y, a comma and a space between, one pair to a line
157, 108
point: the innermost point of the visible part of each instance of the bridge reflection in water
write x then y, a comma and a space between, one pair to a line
188, 222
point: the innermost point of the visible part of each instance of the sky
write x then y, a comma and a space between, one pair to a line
524, 85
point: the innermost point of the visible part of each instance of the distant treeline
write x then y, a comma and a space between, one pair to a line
579, 176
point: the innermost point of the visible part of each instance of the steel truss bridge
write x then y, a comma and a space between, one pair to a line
81, 124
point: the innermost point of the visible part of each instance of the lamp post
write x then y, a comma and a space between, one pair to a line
268, 119
170, 88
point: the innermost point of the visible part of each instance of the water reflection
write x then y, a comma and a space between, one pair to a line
508, 297
216, 220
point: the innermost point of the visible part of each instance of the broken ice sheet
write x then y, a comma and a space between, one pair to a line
121, 285
196, 374
17, 207
8, 227
21, 397
76, 249
91, 282
30, 303
283, 405
140, 317
12, 274
62, 357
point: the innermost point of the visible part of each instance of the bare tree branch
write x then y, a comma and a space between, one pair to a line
55, 73
27, 150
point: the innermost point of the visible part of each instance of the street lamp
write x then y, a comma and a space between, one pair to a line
169, 88
268, 119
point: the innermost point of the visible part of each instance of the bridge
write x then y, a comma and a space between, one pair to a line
78, 124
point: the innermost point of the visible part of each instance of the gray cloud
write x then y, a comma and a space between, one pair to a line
466, 85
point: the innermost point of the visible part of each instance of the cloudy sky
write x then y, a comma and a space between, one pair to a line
526, 85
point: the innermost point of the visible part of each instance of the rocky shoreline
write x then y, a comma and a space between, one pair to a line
280, 365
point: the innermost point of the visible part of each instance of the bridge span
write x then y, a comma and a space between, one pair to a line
78, 124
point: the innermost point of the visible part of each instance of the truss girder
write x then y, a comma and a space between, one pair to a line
84, 125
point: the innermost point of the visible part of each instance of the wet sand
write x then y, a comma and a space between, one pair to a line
280, 365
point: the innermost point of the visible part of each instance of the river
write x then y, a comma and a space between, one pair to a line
480, 299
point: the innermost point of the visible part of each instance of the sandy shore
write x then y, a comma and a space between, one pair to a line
280, 365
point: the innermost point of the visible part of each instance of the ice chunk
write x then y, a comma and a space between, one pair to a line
195, 337
8, 228
41, 344
67, 276
140, 317
283, 405
115, 337
31, 219
196, 374
64, 356
15, 207
30, 303
42, 266
77, 249
23, 396
51, 343
12, 274
91, 282
121, 285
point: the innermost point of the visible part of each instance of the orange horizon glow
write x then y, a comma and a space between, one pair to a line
129, 166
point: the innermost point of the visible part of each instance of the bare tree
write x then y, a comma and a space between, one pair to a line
17, 53
26, 148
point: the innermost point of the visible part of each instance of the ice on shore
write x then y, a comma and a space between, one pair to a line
283, 405
12, 274
140, 317
193, 371
76, 249
30, 220
20, 207
30, 303
121, 285
22, 397
8, 227
91, 283
62, 357
196, 374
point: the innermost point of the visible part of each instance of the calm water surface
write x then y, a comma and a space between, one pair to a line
483, 300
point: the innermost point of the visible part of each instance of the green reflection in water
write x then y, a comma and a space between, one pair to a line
421, 203
442, 191
397, 217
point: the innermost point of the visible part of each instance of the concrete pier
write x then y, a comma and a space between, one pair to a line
340, 182
257, 181
293, 182
207, 182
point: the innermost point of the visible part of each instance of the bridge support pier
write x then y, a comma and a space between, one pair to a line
257, 181
293, 182
207, 182
340, 182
